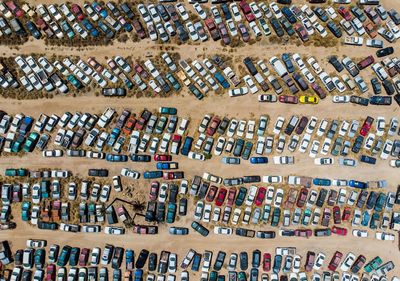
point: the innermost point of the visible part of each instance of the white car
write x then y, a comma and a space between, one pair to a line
323, 161
182, 11
380, 126
196, 156
275, 9
314, 64
202, 14
236, 12
269, 195
384, 236
314, 149
360, 233
278, 198
341, 99
338, 84
348, 262
305, 142
272, 179
296, 57
250, 84
278, 125
251, 195
192, 31
130, 173
319, 261
219, 146
369, 141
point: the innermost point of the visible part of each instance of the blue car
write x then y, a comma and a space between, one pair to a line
167, 165
365, 218
221, 79
259, 160
102, 12
113, 136
289, 15
187, 145
138, 274
357, 184
322, 182
288, 62
116, 158
153, 174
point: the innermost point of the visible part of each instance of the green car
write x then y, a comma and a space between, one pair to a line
242, 276
17, 145
16, 172
168, 110
30, 143
171, 213
373, 264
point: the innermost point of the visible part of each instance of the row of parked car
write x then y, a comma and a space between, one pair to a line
92, 263
161, 22
161, 134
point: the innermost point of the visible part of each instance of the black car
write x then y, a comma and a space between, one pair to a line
219, 262
321, 198
127, 10
322, 232
256, 258
397, 99
389, 87
362, 197
160, 214
251, 179
98, 173
141, 260
384, 52
321, 13
378, 100
140, 158
336, 63
33, 29
300, 81
287, 232
250, 66
357, 144
359, 100
152, 265
376, 86
244, 261
163, 12
277, 27
113, 92
368, 159
334, 29
371, 201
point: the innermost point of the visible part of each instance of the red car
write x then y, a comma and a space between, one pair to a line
301, 200
231, 196
77, 11
288, 99
346, 214
161, 157
247, 11
303, 232
221, 197
141, 71
260, 196
140, 123
83, 257
335, 261
301, 31
51, 272
344, 13
267, 262
139, 29
213, 126
337, 219
15, 9
211, 193
366, 126
173, 175
339, 230
154, 187
309, 261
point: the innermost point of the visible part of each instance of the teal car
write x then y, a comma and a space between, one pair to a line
199, 228
306, 217
240, 197
173, 81
276, 217
247, 150
373, 264
380, 202
277, 264
74, 81
16, 172
171, 213
168, 110
26, 207
17, 145
242, 276
31, 141
373, 224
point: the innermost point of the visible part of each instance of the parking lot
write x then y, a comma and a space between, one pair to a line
215, 104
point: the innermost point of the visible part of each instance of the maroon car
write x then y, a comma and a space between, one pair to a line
335, 261
231, 196
161, 157
337, 219
301, 200
288, 99
154, 187
247, 11
211, 193
141, 71
213, 126
303, 232
224, 33
309, 261
139, 29
83, 257
221, 197
301, 32
77, 11
212, 28
318, 90
173, 175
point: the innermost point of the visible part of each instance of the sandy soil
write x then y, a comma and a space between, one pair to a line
245, 107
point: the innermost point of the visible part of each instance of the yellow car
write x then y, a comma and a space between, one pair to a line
308, 100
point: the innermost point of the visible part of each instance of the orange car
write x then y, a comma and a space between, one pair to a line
129, 125
370, 29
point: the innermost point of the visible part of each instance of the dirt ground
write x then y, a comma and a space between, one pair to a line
244, 107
